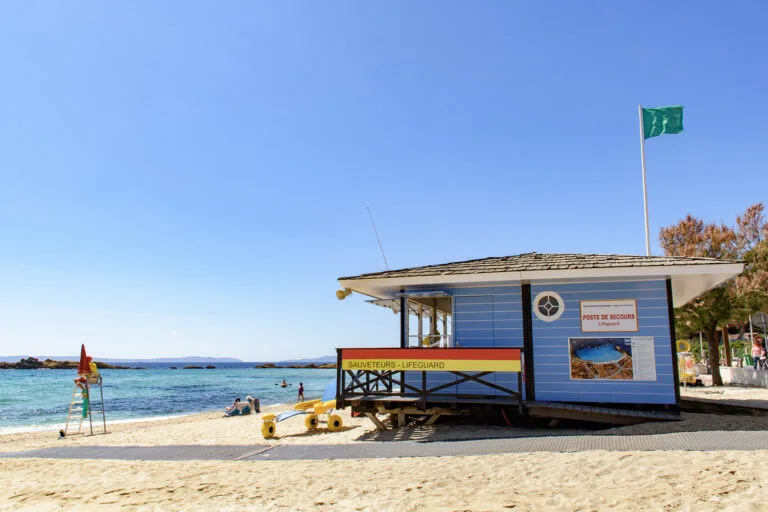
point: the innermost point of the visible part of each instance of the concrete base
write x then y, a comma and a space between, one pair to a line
744, 377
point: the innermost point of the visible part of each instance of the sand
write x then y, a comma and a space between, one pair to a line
739, 395
593, 480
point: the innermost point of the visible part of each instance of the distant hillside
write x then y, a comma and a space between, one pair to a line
317, 360
188, 359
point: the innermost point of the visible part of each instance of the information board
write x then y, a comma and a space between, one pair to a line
630, 358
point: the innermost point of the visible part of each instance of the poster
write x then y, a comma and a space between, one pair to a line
630, 358
608, 315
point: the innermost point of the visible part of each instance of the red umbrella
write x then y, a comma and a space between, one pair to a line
83, 367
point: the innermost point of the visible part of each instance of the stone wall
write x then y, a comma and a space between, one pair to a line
744, 377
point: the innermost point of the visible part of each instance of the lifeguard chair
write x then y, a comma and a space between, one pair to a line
82, 405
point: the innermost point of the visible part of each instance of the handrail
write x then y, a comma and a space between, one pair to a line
387, 372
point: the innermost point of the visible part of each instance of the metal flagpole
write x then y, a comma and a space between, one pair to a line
645, 193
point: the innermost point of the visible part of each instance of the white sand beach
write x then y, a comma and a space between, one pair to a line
590, 480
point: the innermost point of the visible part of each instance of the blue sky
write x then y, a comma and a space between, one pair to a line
188, 178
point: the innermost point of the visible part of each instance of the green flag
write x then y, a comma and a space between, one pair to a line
662, 120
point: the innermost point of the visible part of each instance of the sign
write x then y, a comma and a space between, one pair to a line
631, 358
609, 315
759, 319
432, 359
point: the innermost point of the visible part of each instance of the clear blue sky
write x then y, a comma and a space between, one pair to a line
190, 178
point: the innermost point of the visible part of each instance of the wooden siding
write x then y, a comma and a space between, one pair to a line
550, 345
488, 316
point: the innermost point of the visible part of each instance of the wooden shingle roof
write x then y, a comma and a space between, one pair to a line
533, 261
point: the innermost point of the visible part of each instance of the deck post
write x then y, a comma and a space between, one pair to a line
673, 340
530, 389
445, 331
339, 380
424, 391
403, 321
421, 326
403, 333
433, 322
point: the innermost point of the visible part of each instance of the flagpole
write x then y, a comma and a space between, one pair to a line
645, 193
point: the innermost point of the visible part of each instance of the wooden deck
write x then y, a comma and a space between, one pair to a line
598, 414
458, 400
456, 405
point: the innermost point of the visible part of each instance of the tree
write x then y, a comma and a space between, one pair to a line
692, 237
752, 285
733, 301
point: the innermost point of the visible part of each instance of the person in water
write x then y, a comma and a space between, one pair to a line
284, 384
301, 392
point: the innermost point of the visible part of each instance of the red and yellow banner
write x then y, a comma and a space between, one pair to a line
432, 359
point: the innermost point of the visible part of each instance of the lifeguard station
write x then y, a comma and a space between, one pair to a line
82, 405
572, 336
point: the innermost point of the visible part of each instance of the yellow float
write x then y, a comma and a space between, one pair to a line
334, 423
313, 409
268, 428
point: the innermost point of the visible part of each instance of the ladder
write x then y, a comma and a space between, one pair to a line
82, 405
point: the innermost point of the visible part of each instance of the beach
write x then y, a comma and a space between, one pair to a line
585, 480
734, 481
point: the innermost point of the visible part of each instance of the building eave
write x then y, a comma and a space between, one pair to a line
688, 281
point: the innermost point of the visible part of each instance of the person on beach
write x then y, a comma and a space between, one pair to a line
301, 392
757, 351
234, 405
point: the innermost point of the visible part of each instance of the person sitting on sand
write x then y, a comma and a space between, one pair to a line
301, 392
239, 408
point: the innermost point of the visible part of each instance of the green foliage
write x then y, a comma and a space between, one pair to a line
734, 301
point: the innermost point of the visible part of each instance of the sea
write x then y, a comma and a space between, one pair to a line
39, 399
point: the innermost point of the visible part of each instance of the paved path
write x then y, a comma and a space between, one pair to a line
688, 441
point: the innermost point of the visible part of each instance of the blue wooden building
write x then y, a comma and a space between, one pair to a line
590, 329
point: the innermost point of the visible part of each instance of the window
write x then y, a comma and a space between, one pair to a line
548, 306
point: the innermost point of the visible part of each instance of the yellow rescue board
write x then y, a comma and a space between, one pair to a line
303, 406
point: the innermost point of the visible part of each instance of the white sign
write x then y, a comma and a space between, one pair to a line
609, 315
643, 358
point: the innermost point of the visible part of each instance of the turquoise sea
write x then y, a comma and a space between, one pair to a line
37, 399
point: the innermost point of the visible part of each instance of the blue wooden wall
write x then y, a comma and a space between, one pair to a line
550, 345
491, 316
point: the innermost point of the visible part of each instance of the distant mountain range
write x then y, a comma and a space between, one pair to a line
319, 360
188, 359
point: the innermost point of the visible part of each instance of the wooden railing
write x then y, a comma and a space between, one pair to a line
370, 373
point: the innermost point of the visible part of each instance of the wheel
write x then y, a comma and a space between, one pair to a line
268, 429
310, 421
334, 422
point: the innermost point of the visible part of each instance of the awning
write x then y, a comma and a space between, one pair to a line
432, 299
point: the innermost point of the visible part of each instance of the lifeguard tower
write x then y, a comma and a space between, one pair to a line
82, 406
573, 336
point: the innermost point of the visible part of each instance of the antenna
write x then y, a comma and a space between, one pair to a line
377, 236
